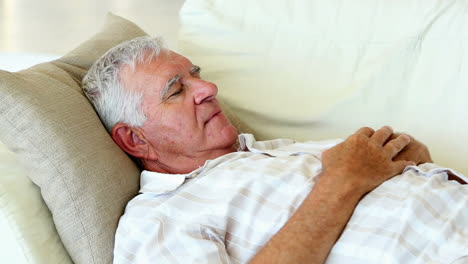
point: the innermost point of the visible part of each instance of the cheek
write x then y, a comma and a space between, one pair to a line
177, 130
175, 125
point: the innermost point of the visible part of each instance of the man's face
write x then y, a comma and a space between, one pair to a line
185, 125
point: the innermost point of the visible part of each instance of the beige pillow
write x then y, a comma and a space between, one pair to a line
85, 179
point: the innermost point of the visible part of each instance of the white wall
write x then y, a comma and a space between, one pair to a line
57, 26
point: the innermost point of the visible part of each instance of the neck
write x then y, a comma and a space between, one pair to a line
183, 164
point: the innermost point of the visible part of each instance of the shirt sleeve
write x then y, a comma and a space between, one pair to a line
167, 240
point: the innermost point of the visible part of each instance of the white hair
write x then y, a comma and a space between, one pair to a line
103, 87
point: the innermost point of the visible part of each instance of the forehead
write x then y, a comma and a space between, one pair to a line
152, 76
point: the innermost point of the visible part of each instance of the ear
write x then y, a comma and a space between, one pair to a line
131, 140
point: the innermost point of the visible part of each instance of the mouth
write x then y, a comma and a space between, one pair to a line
213, 115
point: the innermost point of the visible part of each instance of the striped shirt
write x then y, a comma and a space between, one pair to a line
225, 211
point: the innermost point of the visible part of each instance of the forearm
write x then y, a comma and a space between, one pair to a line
311, 232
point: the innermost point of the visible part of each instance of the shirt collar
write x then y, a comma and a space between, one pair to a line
160, 183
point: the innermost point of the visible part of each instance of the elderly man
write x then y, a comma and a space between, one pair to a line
209, 196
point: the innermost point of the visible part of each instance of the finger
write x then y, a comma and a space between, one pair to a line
402, 155
393, 147
399, 166
380, 136
395, 135
366, 131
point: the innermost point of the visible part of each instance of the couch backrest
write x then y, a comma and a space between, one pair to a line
315, 69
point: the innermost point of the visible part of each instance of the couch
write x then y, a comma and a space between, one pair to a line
302, 69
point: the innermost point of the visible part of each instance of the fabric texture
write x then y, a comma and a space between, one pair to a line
318, 69
225, 211
46, 120
28, 232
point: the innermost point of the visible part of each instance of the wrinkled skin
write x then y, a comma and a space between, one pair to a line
367, 158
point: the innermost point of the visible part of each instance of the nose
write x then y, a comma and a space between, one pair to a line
203, 91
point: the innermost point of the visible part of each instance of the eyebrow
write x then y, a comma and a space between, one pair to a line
195, 69
174, 80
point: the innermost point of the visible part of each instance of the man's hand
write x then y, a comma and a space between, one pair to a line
350, 170
366, 159
415, 151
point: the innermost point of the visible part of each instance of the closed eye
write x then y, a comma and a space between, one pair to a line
177, 93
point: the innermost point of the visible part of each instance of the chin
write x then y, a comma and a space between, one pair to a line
229, 134
222, 133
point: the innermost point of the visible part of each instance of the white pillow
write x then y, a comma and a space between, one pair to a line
316, 69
